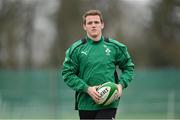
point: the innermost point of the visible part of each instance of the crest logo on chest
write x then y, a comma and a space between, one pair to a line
107, 50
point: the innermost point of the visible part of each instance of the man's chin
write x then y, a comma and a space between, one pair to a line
94, 35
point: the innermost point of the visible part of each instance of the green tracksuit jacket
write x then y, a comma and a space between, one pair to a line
89, 63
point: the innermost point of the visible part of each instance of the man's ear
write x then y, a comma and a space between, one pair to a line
84, 26
102, 25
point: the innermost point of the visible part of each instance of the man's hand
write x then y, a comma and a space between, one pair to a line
93, 93
119, 93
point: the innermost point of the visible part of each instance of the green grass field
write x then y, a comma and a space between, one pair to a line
153, 94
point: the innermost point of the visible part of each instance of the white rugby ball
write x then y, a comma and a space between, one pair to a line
107, 92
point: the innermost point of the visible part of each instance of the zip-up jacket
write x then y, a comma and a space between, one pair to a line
91, 63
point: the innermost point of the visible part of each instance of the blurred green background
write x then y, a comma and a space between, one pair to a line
34, 35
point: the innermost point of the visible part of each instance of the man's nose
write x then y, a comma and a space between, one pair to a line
93, 24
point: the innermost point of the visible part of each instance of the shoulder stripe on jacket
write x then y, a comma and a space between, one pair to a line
80, 42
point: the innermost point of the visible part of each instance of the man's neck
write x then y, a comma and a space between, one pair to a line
97, 38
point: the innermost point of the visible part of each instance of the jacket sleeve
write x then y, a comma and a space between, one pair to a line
70, 72
126, 66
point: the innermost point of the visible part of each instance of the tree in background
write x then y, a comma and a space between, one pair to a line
16, 33
23, 45
164, 37
68, 29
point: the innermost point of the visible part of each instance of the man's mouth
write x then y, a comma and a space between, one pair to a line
93, 30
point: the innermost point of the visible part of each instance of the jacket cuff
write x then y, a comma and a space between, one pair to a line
85, 88
122, 83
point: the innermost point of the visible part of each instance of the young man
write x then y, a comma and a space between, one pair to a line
92, 61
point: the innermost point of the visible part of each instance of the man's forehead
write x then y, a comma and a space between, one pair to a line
93, 17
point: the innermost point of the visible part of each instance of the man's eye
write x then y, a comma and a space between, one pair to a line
96, 22
89, 23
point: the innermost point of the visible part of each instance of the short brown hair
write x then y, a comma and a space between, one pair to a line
92, 12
